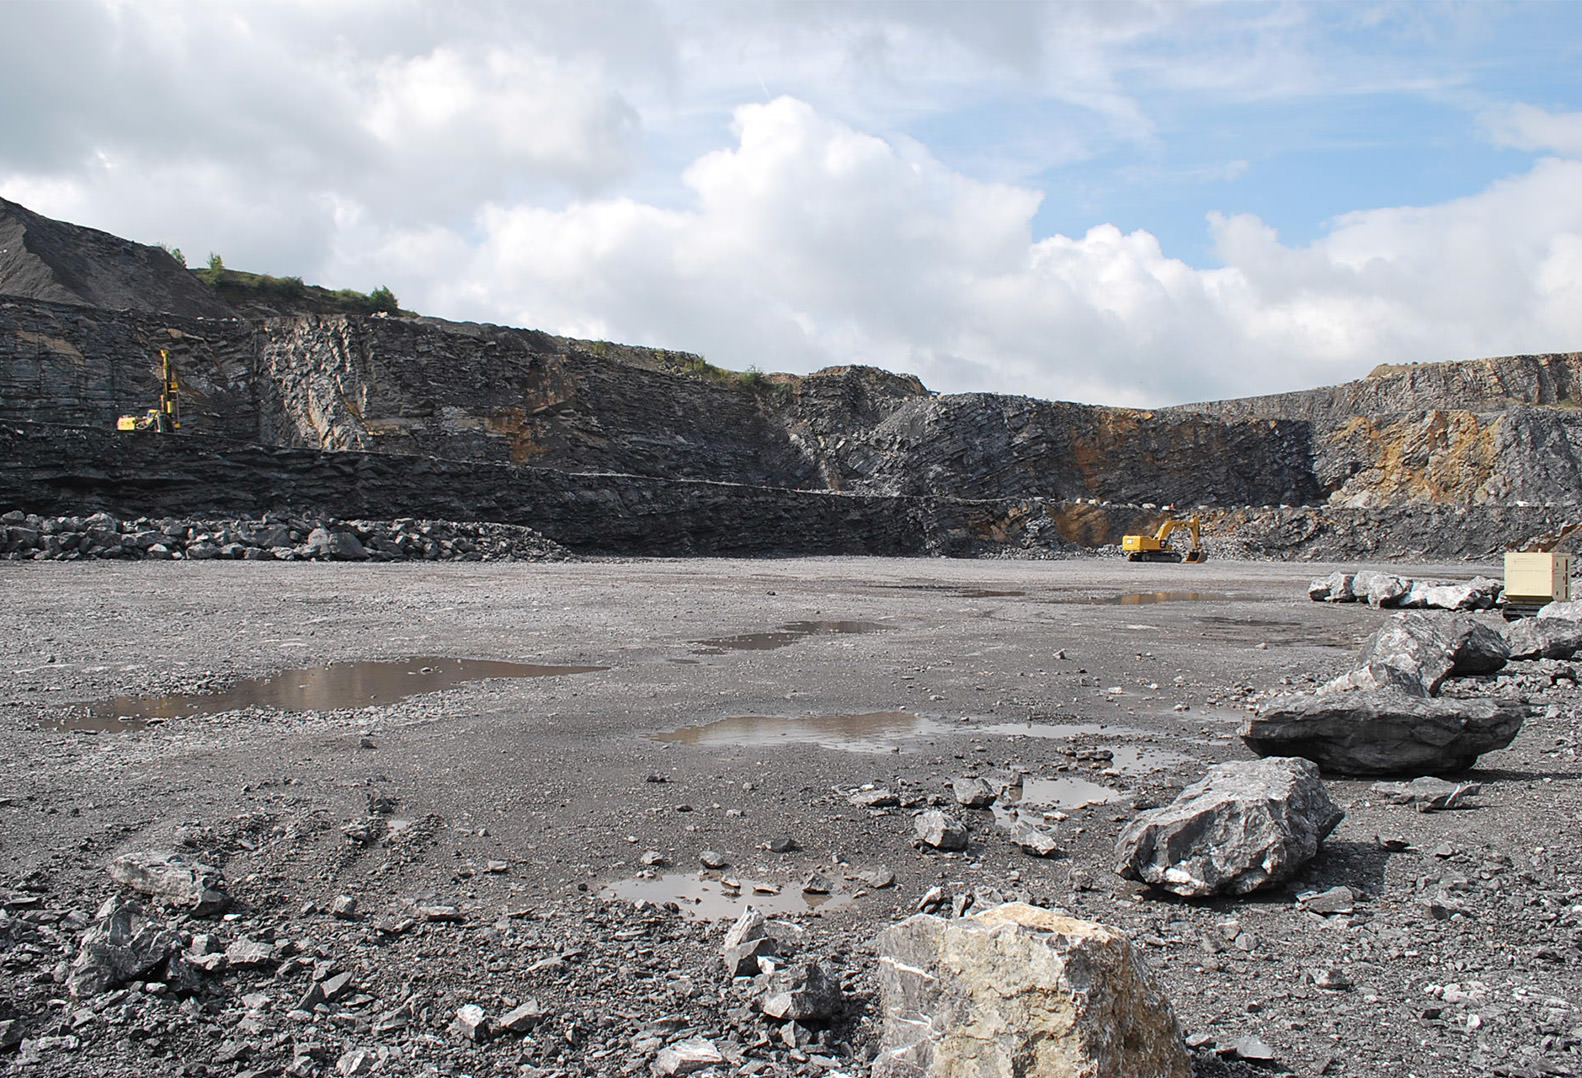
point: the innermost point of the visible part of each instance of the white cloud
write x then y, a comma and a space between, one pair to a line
809, 243
466, 118
560, 166
1528, 127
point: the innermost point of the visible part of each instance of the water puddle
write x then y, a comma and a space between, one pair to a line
709, 898
873, 732
314, 688
1148, 598
1129, 759
785, 636
1275, 632
1058, 731
1063, 793
958, 591
1139, 759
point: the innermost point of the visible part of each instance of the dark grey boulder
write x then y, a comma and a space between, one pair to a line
1246, 824
337, 544
802, 992
1544, 638
1428, 648
122, 944
1383, 732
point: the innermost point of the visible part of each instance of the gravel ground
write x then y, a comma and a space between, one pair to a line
487, 831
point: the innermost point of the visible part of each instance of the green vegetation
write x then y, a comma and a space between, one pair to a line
259, 291
174, 252
752, 378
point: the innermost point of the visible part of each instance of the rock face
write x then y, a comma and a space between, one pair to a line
1020, 992
1474, 432
1439, 460
1383, 732
1244, 825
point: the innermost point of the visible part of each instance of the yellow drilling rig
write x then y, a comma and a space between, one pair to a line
166, 418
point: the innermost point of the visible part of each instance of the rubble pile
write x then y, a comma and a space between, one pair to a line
25, 536
1387, 590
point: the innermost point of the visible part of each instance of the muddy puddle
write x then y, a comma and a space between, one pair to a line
876, 731
1276, 632
1141, 759
1128, 759
784, 636
1059, 731
315, 688
959, 591
1148, 598
709, 898
1061, 793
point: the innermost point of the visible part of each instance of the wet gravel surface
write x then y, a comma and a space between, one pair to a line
487, 831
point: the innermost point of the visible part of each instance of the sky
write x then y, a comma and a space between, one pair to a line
1119, 203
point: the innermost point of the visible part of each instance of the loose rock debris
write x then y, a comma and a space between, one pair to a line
1384, 929
25, 536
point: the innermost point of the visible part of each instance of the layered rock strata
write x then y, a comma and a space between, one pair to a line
1433, 460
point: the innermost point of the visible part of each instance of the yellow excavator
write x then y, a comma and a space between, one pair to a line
1157, 547
165, 419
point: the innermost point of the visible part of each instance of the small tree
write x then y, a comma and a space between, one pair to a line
216, 263
175, 252
383, 299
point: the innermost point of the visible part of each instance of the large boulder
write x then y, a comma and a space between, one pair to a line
1427, 648
122, 944
168, 876
336, 544
747, 941
940, 830
1380, 589
1480, 593
1244, 825
1543, 638
1020, 991
1568, 609
801, 992
1383, 732
1334, 588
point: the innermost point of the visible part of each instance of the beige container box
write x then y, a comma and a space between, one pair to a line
1537, 577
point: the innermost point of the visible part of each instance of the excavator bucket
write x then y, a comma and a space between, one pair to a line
1196, 555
